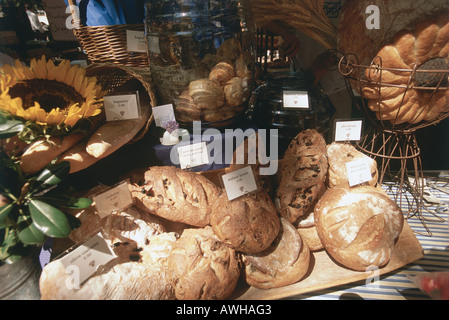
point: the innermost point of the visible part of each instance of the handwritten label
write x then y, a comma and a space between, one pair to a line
348, 130
122, 107
358, 172
296, 99
84, 261
239, 182
115, 199
135, 41
163, 114
193, 155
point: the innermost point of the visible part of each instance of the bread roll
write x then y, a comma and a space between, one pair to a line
222, 72
339, 154
176, 195
201, 267
236, 91
358, 226
286, 261
247, 224
206, 94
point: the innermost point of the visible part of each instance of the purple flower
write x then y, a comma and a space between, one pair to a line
170, 126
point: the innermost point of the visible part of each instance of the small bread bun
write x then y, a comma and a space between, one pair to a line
202, 267
286, 261
222, 72
358, 226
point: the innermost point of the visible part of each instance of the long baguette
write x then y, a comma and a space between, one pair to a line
78, 157
113, 135
42, 152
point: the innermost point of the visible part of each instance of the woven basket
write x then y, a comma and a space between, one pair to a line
109, 43
116, 79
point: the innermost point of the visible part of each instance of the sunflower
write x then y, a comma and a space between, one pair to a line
49, 95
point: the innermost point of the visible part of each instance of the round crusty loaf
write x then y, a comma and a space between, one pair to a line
206, 94
341, 153
358, 226
176, 195
286, 261
202, 267
302, 175
248, 224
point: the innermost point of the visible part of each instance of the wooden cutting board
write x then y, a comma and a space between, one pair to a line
326, 273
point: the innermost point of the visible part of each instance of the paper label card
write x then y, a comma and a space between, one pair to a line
193, 155
84, 261
350, 130
163, 114
296, 99
135, 41
358, 172
122, 107
239, 182
115, 199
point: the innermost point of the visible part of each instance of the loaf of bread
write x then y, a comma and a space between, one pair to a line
339, 154
302, 175
286, 261
423, 46
40, 153
147, 279
358, 226
176, 195
247, 224
201, 267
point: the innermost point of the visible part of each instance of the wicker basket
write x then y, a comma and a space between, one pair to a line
109, 43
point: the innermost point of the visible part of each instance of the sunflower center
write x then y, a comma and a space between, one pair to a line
50, 94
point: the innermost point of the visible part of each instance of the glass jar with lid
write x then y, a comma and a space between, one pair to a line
201, 58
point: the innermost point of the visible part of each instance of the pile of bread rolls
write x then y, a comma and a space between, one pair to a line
222, 94
183, 227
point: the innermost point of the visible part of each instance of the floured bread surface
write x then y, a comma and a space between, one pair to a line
358, 226
124, 280
202, 267
286, 261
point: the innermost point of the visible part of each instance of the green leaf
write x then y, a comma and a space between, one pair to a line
5, 211
66, 201
31, 235
10, 128
48, 219
52, 175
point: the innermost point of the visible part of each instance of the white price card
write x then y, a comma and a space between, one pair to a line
193, 155
239, 182
135, 41
350, 130
358, 172
296, 99
122, 107
114, 200
163, 114
84, 261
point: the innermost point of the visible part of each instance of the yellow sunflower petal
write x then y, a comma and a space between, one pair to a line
27, 73
72, 119
70, 76
79, 78
63, 68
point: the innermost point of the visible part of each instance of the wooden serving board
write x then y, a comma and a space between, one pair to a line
325, 273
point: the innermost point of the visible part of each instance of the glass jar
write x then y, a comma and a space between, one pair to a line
290, 102
201, 58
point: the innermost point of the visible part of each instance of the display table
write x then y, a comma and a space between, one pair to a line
397, 285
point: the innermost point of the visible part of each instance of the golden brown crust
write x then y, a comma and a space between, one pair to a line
248, 224
176, 195
286, 261
201, 267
